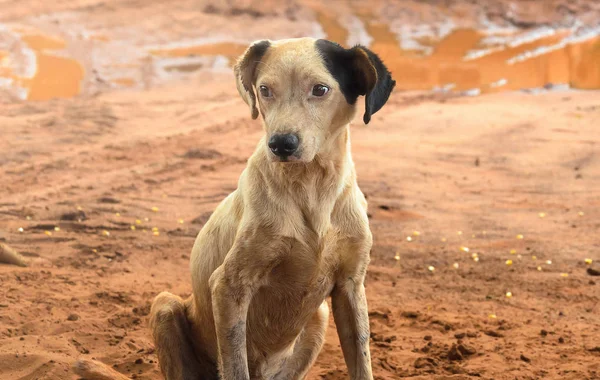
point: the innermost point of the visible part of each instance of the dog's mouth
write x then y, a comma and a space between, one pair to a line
287, 159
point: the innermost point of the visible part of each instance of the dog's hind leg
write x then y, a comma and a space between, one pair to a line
307, 346
172, 339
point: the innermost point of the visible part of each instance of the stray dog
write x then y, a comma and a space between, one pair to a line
294, 232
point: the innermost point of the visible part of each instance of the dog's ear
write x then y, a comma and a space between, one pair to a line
358, 71
245, 73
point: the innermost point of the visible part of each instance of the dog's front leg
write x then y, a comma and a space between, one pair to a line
349, 305
351, 317
232, 286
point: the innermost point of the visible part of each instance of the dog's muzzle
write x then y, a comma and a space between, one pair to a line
284, 145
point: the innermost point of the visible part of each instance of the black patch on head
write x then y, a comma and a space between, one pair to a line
338, 62
358, 71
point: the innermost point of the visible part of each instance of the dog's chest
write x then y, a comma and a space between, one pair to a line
306, 273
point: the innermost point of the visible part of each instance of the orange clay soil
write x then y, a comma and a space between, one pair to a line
110, 191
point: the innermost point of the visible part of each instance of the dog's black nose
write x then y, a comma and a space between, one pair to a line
284, 145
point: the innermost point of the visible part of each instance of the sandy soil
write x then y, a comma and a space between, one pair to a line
104, 194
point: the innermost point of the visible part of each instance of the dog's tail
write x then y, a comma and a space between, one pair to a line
95, 370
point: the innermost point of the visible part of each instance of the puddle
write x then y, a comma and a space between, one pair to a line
230, 50
333, 29
54, 76
39, 42
125, 82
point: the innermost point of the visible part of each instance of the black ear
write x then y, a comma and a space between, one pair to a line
358, 71
245, 73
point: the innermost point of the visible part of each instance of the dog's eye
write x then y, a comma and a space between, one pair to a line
320, 90
265, 91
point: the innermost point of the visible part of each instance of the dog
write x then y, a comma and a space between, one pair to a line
293, 233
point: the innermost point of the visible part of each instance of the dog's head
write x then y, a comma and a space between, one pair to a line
306, 91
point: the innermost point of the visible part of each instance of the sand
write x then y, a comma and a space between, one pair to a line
111, 187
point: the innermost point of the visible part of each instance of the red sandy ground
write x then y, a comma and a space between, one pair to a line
427, 164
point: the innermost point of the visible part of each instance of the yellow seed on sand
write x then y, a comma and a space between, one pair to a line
408, 238
513, 251
28, 217
180, 221
459, 233
588, 261
476, 259
154, 209
455, 265
581, 213
57, 229
564, 275
542, 214
397, 257
444, 240
118, 214
539, 269
137, 221
48, 233
21, 229
464, 249
155, 233
549, 262
105, 233
132, 227
508, 262
519, 236
492, 316
94, 250
431, 268
534, 257
474, 255
154, 229
508, 294
416, 233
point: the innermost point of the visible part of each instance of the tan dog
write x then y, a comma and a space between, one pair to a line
294, 232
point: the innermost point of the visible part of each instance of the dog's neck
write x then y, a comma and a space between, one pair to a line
313, 188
